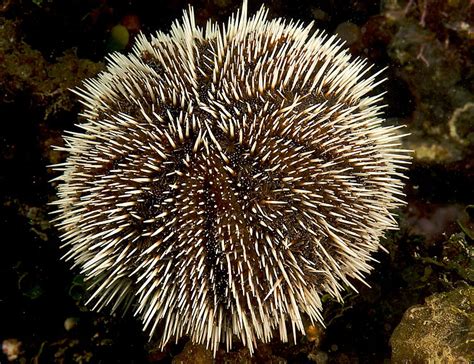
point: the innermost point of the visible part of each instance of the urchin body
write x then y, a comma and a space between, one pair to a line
225, 179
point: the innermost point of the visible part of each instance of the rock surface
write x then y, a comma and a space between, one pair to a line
440, 331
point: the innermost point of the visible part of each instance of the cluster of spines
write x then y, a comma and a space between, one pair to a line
223, 180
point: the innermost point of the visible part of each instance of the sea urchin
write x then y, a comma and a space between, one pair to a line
224, 179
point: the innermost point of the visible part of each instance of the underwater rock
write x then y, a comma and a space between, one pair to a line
194, 353
11, 348
440, 331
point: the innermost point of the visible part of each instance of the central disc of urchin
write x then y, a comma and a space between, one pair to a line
225, 179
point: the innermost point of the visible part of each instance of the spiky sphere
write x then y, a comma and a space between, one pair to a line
224, 179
